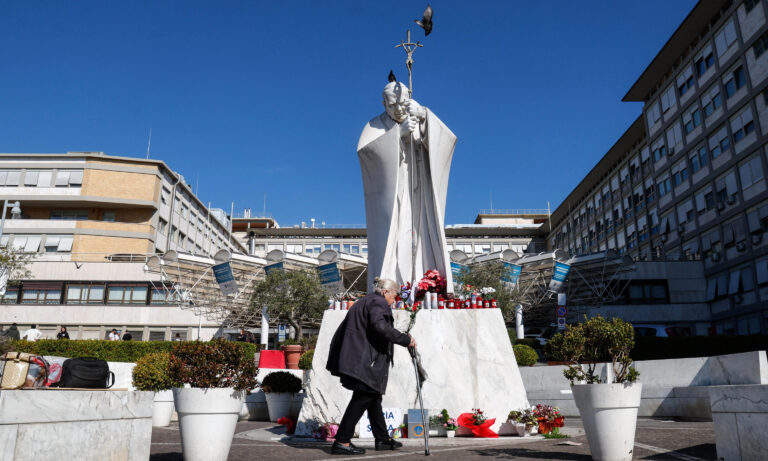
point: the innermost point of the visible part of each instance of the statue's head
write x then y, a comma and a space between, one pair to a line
394, 96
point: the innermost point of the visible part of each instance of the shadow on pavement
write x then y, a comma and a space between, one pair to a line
515, 453
702, 451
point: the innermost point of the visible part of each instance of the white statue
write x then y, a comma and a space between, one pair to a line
405, 189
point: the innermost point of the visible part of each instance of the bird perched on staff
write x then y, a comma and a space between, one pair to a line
426, 21
391, 77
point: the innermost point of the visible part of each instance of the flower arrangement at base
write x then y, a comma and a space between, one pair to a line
524, 417
548, 418
432, 282
477, 423
449, 423
327, 432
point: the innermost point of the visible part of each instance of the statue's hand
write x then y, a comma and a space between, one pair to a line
416, 109
409, 125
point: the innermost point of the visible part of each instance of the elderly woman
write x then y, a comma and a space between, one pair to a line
360, 354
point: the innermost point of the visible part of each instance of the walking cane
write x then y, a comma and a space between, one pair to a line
412, 350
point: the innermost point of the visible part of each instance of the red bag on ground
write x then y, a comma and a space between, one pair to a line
483, 430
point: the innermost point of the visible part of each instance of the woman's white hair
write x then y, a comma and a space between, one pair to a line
381, 285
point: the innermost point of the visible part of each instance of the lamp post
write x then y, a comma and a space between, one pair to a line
15, 213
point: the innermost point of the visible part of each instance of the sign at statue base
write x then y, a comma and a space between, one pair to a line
393, 417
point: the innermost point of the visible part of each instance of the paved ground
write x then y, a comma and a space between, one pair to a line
656, 439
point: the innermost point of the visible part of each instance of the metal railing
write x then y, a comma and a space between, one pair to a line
522, 211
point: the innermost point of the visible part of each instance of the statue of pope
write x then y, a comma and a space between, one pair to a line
405, 157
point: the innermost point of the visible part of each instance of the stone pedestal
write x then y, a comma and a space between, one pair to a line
740, 416
466, 353
40, 425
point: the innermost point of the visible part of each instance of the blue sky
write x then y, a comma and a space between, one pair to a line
269, 97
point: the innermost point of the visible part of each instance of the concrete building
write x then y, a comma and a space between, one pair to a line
686, 181
90, 221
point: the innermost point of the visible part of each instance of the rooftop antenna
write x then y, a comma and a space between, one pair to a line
149, 141
491, 193
264, 213
197, 182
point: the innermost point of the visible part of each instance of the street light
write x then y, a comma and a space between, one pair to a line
15, 213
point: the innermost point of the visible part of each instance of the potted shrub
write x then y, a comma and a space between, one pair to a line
447, 426
215, 376
548, 418
608, 409
305, 362
279, 388
292, 350
151, 374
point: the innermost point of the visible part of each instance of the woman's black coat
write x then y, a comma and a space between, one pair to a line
361, 346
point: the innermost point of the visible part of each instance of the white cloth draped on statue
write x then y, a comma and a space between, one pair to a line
405, 198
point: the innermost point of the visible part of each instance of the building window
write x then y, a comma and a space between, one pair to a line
69, 215
332, 246
647, 292
735, 82
691, 120
312, 249
351, 249
11, 296
108, 216
668, 99
725, 37
162, 224
165, 196
711, 101
742, 125
685, 81
751, 172
705, 61
69, 178
654, 114
681, 175
58, 243
10, 178
699, 159
126, 294
760, 46
659, 150
750, 4
184, 211
663, 186
162, 297
41, 295
297, 248
26, 243
719, 142
84, 294
38, 178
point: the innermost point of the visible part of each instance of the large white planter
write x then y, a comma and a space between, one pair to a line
207, 419
278, 404
609, 415
162, 408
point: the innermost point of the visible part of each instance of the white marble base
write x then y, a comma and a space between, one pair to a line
38, 425
740, 416
466, 353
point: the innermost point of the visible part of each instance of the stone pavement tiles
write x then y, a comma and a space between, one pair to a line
656, 439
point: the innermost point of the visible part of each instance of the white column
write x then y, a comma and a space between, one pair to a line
264, 327
519, 321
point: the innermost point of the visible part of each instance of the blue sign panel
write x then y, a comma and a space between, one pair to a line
225, 278
559, 276
512, 274
273, 267
330, 278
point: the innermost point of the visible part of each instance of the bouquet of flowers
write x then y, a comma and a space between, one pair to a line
449, 423
548, 417
432, 282
326, 432
405, 291
478, 418
487, 291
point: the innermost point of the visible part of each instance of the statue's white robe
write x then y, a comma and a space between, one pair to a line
403, 203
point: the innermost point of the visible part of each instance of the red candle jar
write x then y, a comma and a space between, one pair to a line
450, 303
487, 304
441, 303
493, 303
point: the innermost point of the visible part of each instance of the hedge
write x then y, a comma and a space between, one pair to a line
111, 351
525, 355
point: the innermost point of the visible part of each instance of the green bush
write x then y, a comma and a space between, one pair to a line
533, 343
525, 355
281, 382
215, 364
151, 373
111, 351
592, 341
309, 342
305, 362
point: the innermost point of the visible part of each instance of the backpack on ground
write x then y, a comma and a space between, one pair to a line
86, 373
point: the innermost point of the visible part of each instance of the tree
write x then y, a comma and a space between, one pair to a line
13, 266
295, 297
489, 275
